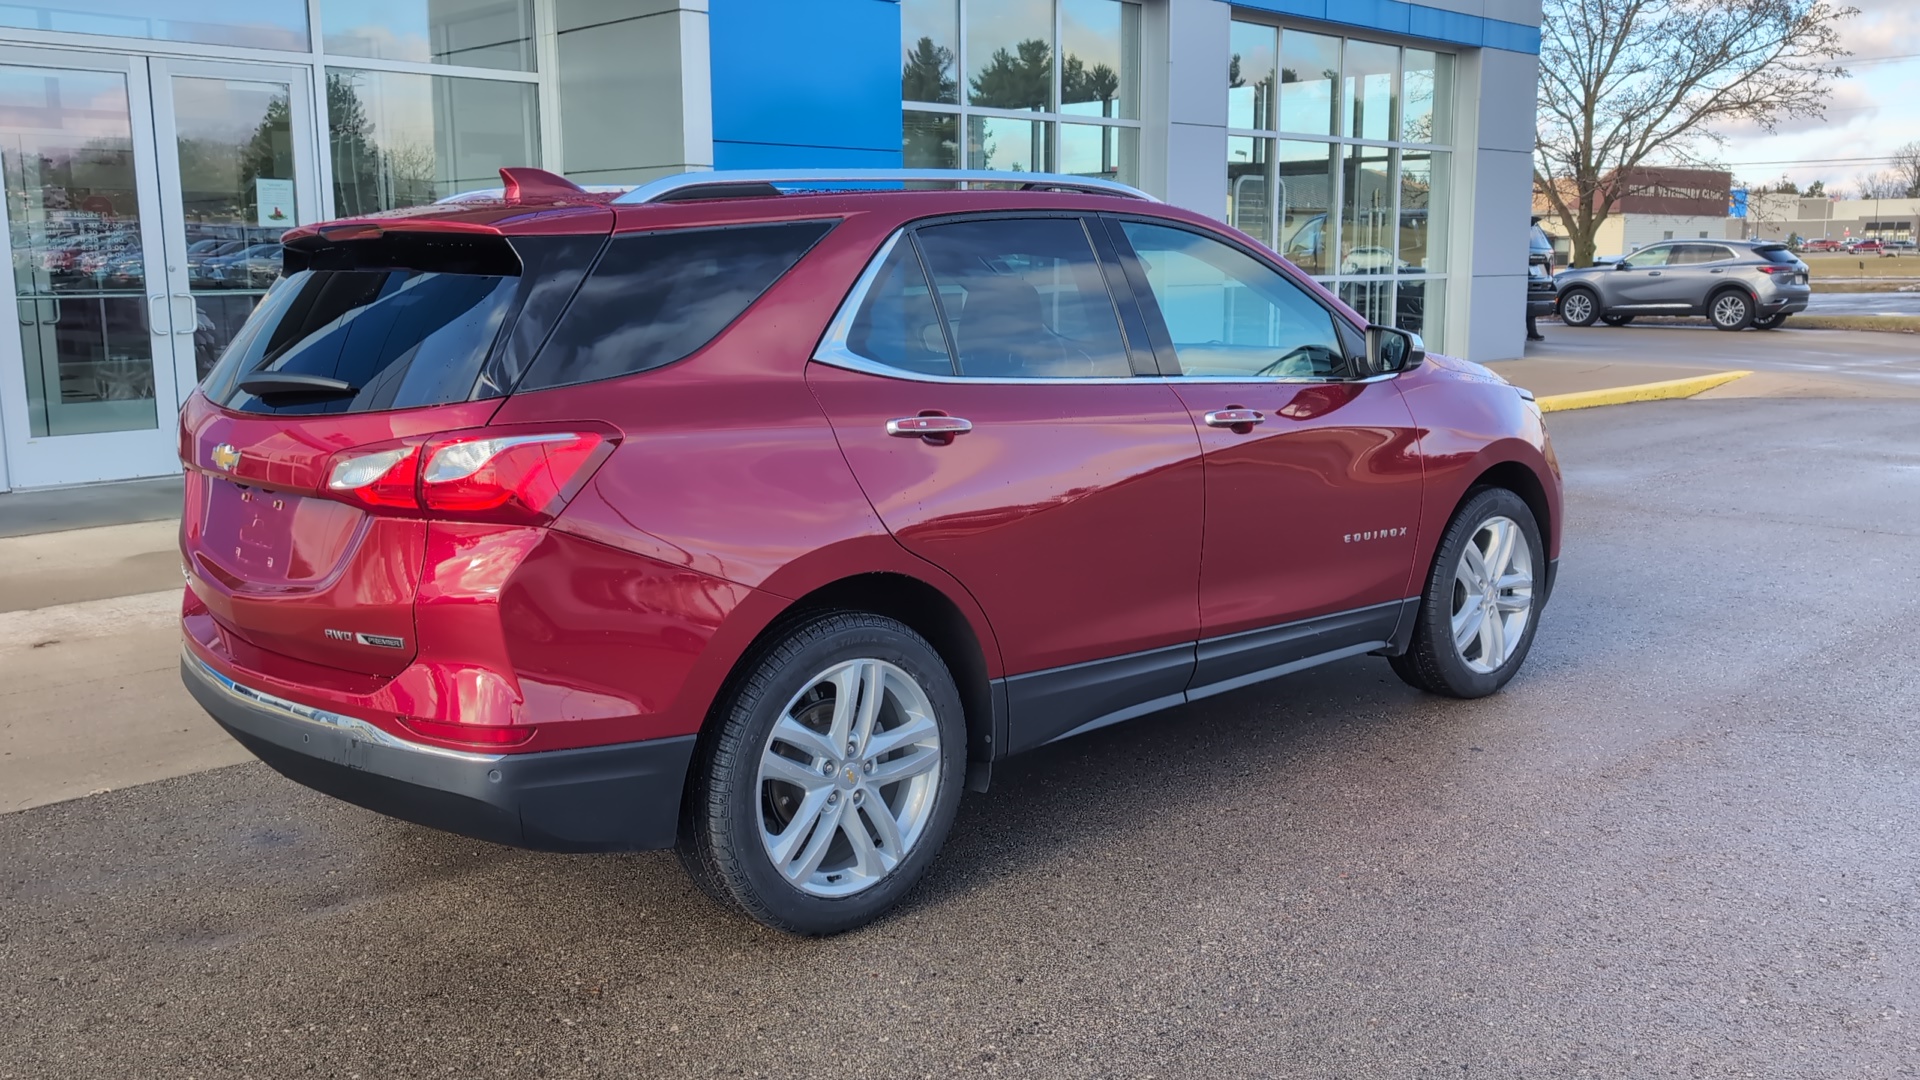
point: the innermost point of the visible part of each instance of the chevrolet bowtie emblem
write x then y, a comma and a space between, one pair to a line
225, 457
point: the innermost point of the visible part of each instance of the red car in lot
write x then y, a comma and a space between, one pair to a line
1821, 245
760, 522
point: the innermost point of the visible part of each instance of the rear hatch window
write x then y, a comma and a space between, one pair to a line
1781, 255
402, 321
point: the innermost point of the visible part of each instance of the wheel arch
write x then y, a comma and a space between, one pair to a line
1516, 477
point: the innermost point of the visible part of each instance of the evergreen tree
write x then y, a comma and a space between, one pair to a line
1022, 79
928, 74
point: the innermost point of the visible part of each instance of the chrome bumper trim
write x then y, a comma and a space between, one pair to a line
330, 721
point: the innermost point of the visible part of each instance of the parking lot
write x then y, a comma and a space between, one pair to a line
1679, 844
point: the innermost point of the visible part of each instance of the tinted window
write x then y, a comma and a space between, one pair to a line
1024, 299
1690, 254
1230, 314
401, 338
897, 324
1777, 255
657, 297
1649, 257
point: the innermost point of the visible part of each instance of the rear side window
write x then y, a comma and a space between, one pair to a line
658, 297
400, 338
1024, 298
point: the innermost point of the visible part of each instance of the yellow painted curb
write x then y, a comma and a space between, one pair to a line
1653, 391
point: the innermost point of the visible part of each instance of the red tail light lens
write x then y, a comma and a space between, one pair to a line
473, 734
376, 477
520, 477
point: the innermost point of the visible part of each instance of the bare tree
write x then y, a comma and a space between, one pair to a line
1906, 165
1885, 184
1626, 81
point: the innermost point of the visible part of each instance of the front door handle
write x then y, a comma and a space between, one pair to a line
1235, 417
1653, 273
936, 429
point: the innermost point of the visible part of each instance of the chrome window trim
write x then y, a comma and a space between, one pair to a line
307, 714
833, 351
666, 185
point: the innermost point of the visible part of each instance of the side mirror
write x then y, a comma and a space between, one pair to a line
1391, 351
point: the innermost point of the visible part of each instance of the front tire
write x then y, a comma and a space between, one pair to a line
1730, 310
1476, 620
1579, 307
832, 777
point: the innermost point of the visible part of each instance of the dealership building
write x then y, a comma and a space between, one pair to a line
154, 150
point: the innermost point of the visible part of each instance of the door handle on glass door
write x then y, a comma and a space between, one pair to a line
158, 314
1236, 418
934, 428
188, 320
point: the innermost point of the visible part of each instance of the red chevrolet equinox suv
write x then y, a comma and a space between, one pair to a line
755, 518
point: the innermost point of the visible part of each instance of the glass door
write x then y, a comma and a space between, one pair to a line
237, 169
84, 374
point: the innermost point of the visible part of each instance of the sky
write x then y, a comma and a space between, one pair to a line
1868, 115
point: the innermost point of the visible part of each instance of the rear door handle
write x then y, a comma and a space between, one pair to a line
1235, 417
941, 428
1653, 273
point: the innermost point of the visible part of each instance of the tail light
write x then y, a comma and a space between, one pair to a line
523, 478
1773, 268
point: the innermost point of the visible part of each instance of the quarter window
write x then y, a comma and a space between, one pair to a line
1023, 298
897, 324
1230, 315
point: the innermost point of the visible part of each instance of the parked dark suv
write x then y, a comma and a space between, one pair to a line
1542, 291
1734, 283
761, 522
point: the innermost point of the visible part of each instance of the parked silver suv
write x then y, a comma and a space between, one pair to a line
1734, 283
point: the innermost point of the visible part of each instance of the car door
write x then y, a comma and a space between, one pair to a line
1709, 267
1313, 479
1640, 281
1005, 431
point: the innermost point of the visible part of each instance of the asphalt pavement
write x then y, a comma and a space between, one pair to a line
1680, 844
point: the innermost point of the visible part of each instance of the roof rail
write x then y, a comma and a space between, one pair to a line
663, 189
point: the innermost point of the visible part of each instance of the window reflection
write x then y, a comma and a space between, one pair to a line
1099, 49
254, 24
1367, 89
1112, 153
476, 33
1007, 145
1250, 181
1250, 78
1010, 52
1309, 75
1308, 172
930, 140
403, 140
1367, 224
930, 41
1427, 96
1423, 202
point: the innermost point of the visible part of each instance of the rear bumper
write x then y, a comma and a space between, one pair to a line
607, 798
1783, 305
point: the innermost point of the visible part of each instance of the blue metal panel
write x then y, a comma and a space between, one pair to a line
805, 84
1415, 20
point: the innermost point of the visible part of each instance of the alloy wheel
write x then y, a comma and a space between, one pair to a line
1577, 307
1730, 310
848, 777
1492, 594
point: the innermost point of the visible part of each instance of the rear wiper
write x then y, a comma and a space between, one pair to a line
282, 383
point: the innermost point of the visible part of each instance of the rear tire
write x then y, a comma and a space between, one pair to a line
1490, 562
1730, 309
1770, 322
1579, 307
831, 778
1616, 320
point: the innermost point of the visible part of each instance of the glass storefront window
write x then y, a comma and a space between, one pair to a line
930, 40
251, 24
930, 140
403, 140
1099, 66
1372, 299
1250, 179
1367, 90
1006, 145
1250, 81
79, 266
965, 65
1308, 172
1009, 54
1423, 219
1309, 81
1101, 150
1426, 115
1421, 306
1366, 212
473, 33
